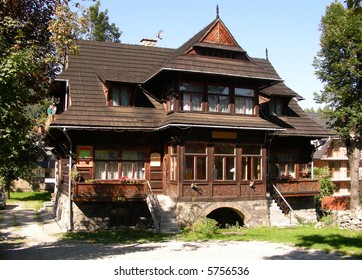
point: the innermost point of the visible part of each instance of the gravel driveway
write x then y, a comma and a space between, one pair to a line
24, 237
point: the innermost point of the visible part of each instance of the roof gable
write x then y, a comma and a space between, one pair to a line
219, 34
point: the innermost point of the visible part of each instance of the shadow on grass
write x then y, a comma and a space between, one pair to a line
334, 243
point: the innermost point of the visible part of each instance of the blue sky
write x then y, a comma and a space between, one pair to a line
289, 29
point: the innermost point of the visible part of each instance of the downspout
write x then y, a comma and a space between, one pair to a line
70, 217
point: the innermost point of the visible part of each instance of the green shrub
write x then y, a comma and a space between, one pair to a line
205, 227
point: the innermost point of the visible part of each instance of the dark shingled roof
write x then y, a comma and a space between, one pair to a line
100, 62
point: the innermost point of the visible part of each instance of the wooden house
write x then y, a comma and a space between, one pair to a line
205, 129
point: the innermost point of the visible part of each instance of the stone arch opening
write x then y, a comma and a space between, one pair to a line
227, 216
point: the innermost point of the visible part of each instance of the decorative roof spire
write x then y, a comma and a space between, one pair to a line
217, 11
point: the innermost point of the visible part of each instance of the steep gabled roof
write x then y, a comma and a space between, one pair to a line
216, 36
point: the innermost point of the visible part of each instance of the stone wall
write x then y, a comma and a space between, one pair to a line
254, 213
349, 219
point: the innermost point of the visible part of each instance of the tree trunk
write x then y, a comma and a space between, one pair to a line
7, 189
354, 163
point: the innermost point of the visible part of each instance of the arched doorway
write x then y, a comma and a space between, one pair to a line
227, 216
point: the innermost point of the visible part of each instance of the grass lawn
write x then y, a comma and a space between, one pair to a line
31, 200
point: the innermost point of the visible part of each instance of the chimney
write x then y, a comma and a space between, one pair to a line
148, 42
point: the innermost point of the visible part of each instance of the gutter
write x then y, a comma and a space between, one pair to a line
67, 127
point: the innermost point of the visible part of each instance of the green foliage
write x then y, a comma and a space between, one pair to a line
339, 66
204, 228
98, 27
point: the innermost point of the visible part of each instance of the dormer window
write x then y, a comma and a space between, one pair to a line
120, 96
218, 99
244, 101
276, 107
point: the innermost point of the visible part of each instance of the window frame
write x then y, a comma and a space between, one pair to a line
248, 170
218, 96
224, 159
195, 156
192, 94
244, 98
120, 88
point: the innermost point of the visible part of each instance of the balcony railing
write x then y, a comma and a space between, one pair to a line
298, 187
108, 191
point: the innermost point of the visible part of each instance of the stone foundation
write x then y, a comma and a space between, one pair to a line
254, 213
90, 216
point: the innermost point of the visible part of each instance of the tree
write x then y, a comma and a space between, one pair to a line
30, 35
24, 73
338, 65
99, 28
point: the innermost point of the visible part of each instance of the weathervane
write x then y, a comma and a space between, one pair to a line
217, 11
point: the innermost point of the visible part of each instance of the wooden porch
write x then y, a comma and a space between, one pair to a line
108, 191
298, 188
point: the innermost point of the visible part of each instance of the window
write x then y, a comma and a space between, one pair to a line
251, 162
218, 99
120, 96
84, 155
191, 97
133, 164
106, 164
283, 165
195, 161
276, 106
244, 101
224, 168
173, 163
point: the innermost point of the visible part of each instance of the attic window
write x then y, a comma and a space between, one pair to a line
120, 96
276, 106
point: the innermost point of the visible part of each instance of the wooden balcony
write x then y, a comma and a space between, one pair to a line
108, 191
298, 188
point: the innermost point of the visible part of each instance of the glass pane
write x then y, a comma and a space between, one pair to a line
224, 148
212, 100
100, 170
251, 150
186, 102
139, 171
106, 154
218, 171
196, 102
190, 87
244, 92
189, 168
115, 96
133, 155
249, 106
230, 168
239, 105
127, 169
112, 170
224, 103
218, 90
173, 167
257, 168
195, 148
125, 97
201, 168
245, 168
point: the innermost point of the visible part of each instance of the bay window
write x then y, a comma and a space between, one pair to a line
218, 99
191, 96
244, 101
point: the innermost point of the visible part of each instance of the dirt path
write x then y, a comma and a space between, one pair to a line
26, 235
